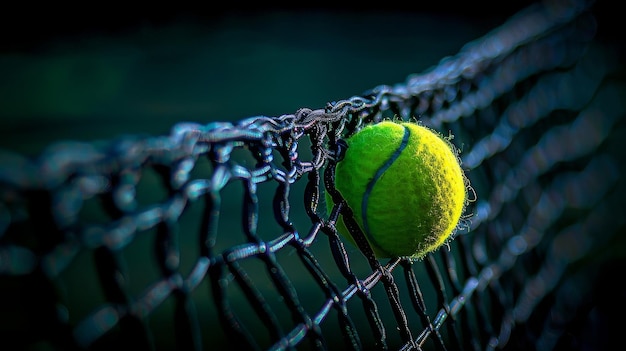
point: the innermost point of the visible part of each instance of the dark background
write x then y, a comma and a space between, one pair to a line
91, 71
98, 70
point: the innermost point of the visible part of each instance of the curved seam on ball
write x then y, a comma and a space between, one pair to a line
379, 173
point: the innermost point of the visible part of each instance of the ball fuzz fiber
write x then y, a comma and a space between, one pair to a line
405, 186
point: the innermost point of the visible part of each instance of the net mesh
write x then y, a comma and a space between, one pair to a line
132, 242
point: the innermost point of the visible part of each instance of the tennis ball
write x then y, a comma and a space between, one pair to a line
405, 186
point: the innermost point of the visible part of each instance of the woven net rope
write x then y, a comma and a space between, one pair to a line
217, 235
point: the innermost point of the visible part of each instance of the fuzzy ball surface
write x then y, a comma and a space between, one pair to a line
405, 186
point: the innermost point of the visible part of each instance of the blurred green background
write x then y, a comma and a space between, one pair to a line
98, 73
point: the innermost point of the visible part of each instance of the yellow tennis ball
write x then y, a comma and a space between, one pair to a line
405, 186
